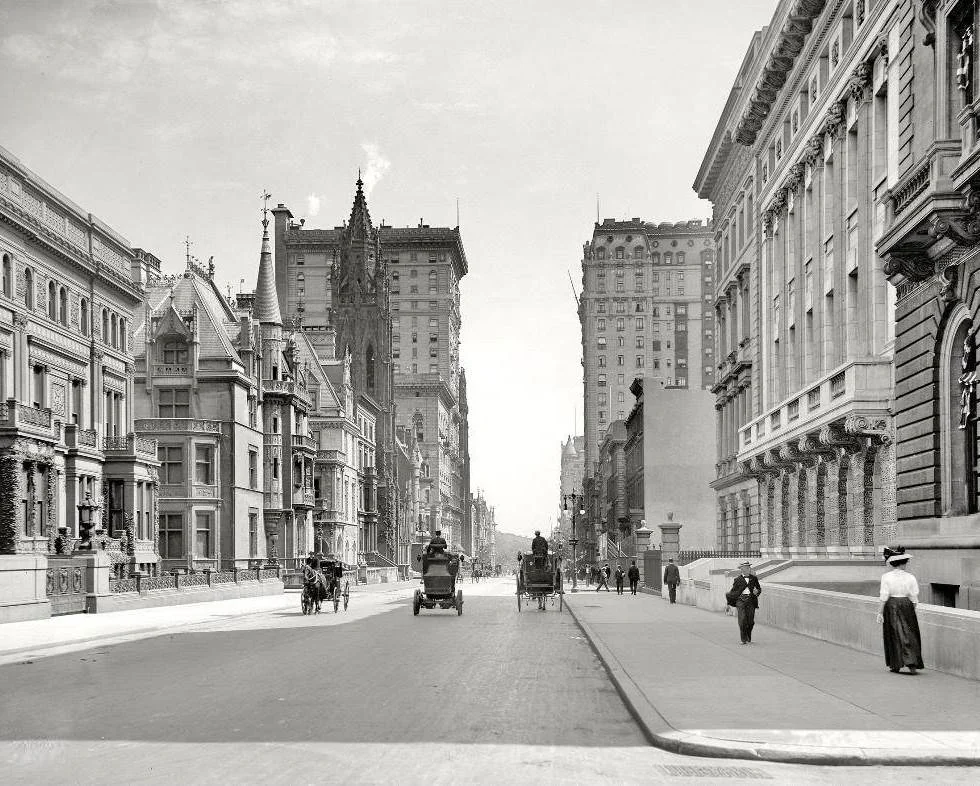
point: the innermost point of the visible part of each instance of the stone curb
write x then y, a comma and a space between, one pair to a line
661, 734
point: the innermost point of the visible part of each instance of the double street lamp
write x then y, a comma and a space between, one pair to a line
577, 502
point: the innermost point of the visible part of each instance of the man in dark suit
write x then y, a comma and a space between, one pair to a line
539, 548
633, 574
744, 596
672, 577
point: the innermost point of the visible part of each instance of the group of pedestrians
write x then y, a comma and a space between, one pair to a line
604, 573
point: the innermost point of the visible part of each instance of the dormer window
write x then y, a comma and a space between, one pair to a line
175, 353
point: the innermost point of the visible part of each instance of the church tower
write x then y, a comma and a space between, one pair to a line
361, 317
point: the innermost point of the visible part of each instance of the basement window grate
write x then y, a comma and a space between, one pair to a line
694, 771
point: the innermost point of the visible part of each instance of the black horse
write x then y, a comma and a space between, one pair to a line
314, 590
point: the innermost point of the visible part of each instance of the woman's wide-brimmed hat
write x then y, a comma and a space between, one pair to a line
897, 554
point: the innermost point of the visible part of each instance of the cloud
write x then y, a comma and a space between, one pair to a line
312, 205
376, 167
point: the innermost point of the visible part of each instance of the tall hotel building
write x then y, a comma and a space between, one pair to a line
398, 310
645, 311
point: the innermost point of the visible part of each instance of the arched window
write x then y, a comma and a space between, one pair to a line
959, 434
369, 367
638, 252
680, 257
114, 331
83, 317
7, 276
52, 301
122, 334
105, 326
655, 258
29, 288
668, 258
63, 306
620, 252
600, 253
175, 352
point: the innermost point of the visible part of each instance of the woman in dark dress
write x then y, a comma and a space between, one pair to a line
900, 627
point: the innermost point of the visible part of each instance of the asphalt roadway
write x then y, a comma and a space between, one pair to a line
371, 696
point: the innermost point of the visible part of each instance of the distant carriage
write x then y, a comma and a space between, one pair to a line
317, 586
539, 578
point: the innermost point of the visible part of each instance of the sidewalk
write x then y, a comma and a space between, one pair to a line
694, 689
53, 636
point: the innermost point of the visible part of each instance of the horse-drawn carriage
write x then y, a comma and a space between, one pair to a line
539, 578
324, 582
439, 572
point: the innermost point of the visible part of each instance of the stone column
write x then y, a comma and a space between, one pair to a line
643, 534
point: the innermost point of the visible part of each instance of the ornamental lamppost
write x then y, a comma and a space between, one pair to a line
86, 520
578, 502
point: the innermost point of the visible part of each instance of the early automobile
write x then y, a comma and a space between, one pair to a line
439, 571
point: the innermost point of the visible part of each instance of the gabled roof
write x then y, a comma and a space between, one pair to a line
186, 295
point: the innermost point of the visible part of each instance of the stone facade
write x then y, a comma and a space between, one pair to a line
66, 387
484, 530
930, 242
810, 139
572, 472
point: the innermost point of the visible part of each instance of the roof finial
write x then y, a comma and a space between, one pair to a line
266, 196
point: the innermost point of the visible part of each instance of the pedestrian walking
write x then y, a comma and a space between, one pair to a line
603, 579
744, 596
634, 576
620, 575
672, 577
900, 627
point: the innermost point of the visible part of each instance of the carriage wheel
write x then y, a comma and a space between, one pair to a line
346, 594
416, 603
459, 603
306, 602
336, 599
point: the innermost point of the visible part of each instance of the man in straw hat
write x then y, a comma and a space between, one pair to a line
744, 596
900, 627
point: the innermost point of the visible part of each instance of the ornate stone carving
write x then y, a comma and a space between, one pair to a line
834, 120
859, 82
926, 13
813, 152
949, 278
913, 265
812, 446
968, 379
962, 228
833, 436
791, 453
875, 427
9, 501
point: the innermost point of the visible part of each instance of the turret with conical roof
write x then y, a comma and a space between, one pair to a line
266, 308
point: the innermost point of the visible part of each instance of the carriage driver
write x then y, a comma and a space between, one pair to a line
539, 548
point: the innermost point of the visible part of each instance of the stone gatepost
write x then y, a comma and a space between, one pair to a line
670, 538
642, 545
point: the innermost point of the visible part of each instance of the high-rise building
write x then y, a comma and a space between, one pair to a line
644, 312
390, 296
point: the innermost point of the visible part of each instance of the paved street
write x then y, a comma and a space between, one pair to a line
493, 696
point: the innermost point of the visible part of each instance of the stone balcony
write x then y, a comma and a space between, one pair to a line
305, 442
303, 498
860, 389
129, 446
30, 421
177, 426
81, 438
331, 457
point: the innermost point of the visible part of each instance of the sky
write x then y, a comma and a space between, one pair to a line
168, 118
